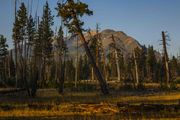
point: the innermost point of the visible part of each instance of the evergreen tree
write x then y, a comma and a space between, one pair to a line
31, 32
46, 35
112, 66
70, 12
30, 57
70, 70
86, 68
11, 68
20, 40
80, 66
3, 55
129, 68
141, 63
174, 67
60, 50
151, 64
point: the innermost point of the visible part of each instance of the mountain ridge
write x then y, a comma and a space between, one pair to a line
127, 43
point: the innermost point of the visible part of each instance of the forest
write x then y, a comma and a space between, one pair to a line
42, 78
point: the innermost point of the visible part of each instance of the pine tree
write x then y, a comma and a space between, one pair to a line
129, 70
37, 53
3, 55
60, 50
20, 40
112, 59
31, 32
30, 57
70, 70
151, 63
11, 67
174, 67
16, 38
80, 66
46, 41
70, 13
140, 65
86, 68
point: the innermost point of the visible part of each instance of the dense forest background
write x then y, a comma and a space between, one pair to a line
41, 57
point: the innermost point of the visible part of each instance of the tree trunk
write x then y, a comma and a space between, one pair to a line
117, 61
117, 66
76, 74
25, 61
136, 69
16, 65
99, 76
103, 84
62, 77
166, 59
92, 74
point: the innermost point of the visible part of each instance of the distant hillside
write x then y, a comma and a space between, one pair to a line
126, 42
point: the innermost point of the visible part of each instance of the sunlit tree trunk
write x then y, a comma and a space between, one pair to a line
136, 68
166, 59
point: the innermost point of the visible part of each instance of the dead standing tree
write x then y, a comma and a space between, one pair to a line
136, 67
97, 49
70, 12
117, 59
100, 52
166, 58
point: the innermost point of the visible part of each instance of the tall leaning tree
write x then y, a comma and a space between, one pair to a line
71, 11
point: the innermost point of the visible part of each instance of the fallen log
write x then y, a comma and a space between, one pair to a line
147, 107
12, 90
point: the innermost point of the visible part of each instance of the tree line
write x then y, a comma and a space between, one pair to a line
40, 57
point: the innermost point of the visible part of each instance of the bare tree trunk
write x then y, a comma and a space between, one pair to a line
166, 59
117, 61
136, 69
25, 74
16, 64
104, 64
62, 77
92, 74
76, 74
117, 65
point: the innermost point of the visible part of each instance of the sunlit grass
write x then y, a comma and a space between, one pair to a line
49, 103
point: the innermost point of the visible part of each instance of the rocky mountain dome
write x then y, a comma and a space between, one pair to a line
127, 43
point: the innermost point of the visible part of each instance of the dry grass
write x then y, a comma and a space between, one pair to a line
51, 96
63, 109
78, 103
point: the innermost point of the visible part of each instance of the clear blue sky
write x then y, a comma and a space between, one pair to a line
142, 19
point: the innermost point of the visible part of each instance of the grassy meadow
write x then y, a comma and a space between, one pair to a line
89, 104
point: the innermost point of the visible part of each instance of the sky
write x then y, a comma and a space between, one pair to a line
144, 20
